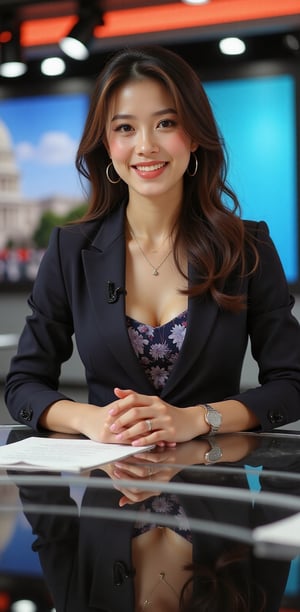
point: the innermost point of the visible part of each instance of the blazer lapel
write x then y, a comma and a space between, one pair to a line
202, 313
104, 264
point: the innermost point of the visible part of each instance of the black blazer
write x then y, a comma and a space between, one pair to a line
71, 296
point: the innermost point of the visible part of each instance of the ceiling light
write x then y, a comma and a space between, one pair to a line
53, 66
12, 64
24, 605
292, 42
12, 69
232, 46
76, 44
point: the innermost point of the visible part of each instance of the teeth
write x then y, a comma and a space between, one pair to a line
150, 168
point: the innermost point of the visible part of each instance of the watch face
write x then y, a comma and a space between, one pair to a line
213, 455
214, 418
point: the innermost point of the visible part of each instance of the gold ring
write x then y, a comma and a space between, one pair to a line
149, 424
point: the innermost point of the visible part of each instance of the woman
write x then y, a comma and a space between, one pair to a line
161, 282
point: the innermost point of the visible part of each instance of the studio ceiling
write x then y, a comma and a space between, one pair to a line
167, 22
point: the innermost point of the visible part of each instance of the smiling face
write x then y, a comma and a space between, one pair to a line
148, 147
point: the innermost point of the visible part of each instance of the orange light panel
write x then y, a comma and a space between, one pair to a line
174, 16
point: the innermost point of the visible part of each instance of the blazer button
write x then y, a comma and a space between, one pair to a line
275, 417
26, 414
121, 573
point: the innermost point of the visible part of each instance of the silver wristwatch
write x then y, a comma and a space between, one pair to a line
213, 418
215, 452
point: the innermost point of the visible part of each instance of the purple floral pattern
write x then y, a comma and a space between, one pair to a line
166, 504
157, 348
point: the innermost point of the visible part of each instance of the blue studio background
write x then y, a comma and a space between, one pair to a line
257, 119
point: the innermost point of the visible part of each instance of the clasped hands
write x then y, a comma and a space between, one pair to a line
157, 466
140, 420
149, 466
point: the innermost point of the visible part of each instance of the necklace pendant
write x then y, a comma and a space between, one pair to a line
155, 272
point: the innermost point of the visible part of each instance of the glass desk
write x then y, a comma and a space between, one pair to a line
116, 539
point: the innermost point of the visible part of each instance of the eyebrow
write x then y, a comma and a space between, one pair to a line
164, 111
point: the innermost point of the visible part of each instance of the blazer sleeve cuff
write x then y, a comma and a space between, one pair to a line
275, 404
30, 414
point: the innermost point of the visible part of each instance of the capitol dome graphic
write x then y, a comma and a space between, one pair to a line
20, 216
9, 172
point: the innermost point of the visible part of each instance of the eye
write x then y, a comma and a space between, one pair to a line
124, 127
166, 123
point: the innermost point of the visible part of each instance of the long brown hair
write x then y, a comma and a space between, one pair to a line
225, 583
209, 227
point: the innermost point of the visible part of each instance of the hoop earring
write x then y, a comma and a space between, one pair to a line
189, 173
110, 165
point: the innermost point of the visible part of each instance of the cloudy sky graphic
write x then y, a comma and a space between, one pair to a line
45, 132
53, 149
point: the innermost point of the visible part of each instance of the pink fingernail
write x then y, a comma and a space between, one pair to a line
136, 443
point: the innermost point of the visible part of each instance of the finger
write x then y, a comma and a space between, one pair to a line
118, 407
133, 496
120, 393
161, 434
156, 473
160, 454
163, 444
126, 500
140, 428
156, 437
129, 492
137, 472
136, 495
128, 413
132, 423
128, 398
125, 394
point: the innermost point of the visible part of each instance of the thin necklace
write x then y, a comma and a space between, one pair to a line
154, 268
162, 578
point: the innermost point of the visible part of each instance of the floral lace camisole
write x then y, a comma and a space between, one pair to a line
157, 349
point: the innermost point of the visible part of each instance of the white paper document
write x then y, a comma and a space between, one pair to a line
58, 454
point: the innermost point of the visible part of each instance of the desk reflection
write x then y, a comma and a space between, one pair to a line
156, 559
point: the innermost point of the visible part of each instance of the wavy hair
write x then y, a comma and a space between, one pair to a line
224, 584
209, 227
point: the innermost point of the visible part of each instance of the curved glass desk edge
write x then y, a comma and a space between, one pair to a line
288, 503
